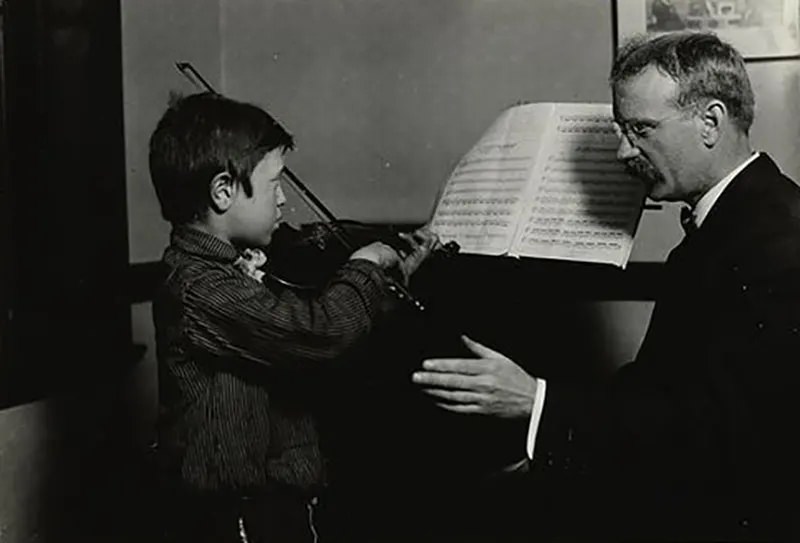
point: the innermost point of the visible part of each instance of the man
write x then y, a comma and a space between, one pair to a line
693, 438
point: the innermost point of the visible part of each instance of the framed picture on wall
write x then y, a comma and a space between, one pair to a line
759, 29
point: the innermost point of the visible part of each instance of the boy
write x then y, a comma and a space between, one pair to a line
239, 359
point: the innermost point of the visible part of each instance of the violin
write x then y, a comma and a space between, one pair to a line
304, 259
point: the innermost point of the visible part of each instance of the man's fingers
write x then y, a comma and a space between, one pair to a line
481, 350
470, 409
463, 366
453, 381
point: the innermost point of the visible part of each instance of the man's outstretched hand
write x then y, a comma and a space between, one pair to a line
491, 384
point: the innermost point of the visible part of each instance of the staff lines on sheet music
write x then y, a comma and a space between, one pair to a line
594, 130
587, 118
589, 190
488, 170
557, 179
629, 196
462, 222
449, 202
481, 212
467, 180
589, 140
598, 233
483, 235
491, 190
606, 168
596, 146
581, 202
571, 158
490, 160
582, 222
618, 172
572, 210
577, 245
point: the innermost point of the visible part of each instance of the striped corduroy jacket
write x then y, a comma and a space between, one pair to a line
239, 363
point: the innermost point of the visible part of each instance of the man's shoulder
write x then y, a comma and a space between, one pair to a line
763, 208
765, 245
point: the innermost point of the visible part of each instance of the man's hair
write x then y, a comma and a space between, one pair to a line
703, 66
200, 136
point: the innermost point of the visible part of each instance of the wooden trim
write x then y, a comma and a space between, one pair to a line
639, 282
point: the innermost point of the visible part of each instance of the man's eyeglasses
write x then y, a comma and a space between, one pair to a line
636, 129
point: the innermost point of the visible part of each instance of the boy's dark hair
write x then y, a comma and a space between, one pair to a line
703, 66
200, 136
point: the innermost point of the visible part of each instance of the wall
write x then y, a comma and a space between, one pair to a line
156, 34
384, 98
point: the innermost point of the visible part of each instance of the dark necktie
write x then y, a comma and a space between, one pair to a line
687, 220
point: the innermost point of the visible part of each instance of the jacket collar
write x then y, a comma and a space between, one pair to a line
193, 241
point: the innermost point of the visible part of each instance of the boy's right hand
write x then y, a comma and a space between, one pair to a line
380, 253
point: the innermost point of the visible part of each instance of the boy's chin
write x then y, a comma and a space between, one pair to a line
265, 240
254, 242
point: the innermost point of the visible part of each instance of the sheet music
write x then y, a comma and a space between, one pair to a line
584, 206
484, 196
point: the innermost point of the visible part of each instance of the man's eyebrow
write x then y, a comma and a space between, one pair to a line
634, 120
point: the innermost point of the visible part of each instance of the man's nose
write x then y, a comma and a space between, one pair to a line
626, 149
281, 196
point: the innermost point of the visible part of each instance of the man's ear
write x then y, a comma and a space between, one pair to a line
222, 191
712, 116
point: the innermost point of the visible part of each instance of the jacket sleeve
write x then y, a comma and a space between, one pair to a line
231, 315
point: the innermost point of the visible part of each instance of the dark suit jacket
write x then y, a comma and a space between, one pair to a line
694, 439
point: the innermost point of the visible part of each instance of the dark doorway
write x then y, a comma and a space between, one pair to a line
65, 321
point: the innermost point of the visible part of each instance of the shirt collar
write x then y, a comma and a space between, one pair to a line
194, 241
704, 205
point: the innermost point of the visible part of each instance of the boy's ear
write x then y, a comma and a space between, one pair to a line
222, 190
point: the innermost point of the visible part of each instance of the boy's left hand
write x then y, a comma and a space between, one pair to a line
423, 243
379, 253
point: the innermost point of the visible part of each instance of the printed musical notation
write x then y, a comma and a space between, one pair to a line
585, 206
483, 198
544, 181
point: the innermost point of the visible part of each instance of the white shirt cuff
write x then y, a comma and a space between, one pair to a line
536, 415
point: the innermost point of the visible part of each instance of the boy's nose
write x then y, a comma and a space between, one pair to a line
281, 196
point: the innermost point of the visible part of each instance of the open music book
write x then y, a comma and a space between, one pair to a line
544, 181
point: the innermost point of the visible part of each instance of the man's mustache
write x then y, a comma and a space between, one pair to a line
642, 169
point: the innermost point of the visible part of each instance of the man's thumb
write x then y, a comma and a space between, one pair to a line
481, 351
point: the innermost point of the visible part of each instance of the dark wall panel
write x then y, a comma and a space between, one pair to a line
66, 197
